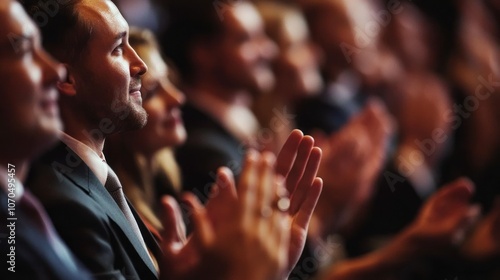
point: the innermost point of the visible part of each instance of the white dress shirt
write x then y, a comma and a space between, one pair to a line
95, 162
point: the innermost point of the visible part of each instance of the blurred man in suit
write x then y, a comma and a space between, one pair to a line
224, 55
30, 123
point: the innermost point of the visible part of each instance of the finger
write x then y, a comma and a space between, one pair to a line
452, 199
266, 186
306, 210
247, 177
288, 153
225, 186
458, 191
174, 228
300, 163
202, 230
306, 181
466, 218
247, 184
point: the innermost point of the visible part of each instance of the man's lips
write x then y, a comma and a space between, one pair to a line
135, 92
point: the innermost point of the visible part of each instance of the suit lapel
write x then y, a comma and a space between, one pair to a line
146, 234
103, 198
84, 178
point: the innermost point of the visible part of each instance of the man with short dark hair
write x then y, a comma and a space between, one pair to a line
100, 96
224, 55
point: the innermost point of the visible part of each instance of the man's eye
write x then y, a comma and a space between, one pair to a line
118, 49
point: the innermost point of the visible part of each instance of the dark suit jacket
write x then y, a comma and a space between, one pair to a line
88, 219
34, 257
208, 147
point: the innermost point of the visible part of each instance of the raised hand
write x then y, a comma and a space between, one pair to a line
352, 160
298, 162
437, 230
252, 241
444, 219
256, 231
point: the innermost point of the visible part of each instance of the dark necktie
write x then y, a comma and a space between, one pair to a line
115, 189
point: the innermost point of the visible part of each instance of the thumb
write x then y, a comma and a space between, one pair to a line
174, 232
203, 233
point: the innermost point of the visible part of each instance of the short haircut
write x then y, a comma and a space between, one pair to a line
64, 32
191, 22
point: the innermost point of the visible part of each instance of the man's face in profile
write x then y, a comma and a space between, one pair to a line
107, 76
29, 114
244, 51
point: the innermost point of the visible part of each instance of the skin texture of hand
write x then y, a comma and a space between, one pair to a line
241, 234
352, 159
444, 216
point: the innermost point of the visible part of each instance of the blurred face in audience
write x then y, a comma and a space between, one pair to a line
412, 39
107, 77
243, 53
330, 26
297, 65
162, 101
29, 115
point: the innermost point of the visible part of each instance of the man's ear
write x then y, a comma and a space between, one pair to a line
68, 85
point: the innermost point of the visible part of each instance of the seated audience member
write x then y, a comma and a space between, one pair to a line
101, 96
29, 123
474, 73
225, 64
295, 68
358, 146
139, 157
393, 202
342, 96
417, 88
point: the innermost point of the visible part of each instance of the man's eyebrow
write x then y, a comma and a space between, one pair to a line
121, 35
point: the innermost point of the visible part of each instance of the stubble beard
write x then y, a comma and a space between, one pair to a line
136, 119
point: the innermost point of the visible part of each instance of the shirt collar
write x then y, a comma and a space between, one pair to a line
97, 164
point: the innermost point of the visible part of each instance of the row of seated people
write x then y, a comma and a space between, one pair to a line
118, 84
